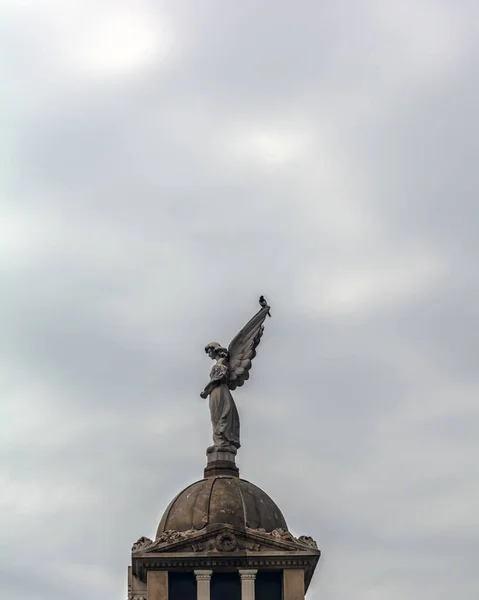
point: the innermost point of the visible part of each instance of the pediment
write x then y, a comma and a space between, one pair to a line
224, 539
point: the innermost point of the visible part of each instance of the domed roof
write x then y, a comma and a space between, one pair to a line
221, 500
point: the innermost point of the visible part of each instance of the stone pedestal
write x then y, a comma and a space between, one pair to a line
221, 462
248, 577
203, 580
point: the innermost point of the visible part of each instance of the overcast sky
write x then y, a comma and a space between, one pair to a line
164, 164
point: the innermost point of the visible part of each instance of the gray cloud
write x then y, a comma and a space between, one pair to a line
169, 162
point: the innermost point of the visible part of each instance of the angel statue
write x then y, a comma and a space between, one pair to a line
231, 371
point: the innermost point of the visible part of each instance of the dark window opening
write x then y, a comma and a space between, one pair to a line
225, 586
181, 586
268, 585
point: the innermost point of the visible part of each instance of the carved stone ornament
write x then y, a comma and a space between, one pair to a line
282, 534
171, 535
279, 534
203, 575
143, 542
306, 539
132, 596
226, 542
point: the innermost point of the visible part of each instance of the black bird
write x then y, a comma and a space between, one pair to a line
263, 303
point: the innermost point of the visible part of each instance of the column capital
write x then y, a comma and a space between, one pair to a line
203, 574
248, 573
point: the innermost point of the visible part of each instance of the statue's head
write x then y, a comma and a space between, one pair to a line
215, 350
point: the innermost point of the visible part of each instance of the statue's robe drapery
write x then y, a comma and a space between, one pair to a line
224, 414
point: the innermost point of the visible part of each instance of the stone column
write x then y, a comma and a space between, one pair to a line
293, 584
203, 579
248, 577
157, 585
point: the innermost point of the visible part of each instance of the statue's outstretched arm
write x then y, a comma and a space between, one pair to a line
209, 388
218, 375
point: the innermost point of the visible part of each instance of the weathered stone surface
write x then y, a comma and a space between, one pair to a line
136, 587
143, 542
221, 467
293, 584
219, 454
282, 534
157, 585
221, 462
306, 539
222, 500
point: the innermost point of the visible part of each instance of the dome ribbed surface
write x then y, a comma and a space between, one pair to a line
222, 500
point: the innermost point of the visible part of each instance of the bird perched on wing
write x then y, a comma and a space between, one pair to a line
263, 304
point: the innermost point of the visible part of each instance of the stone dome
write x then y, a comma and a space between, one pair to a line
221, 500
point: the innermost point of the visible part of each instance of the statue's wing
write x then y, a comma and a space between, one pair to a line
242, 349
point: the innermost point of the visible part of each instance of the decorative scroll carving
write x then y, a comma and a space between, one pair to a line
167, 537
279, 534
282, 534
306, 539
171, 535
142, 543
